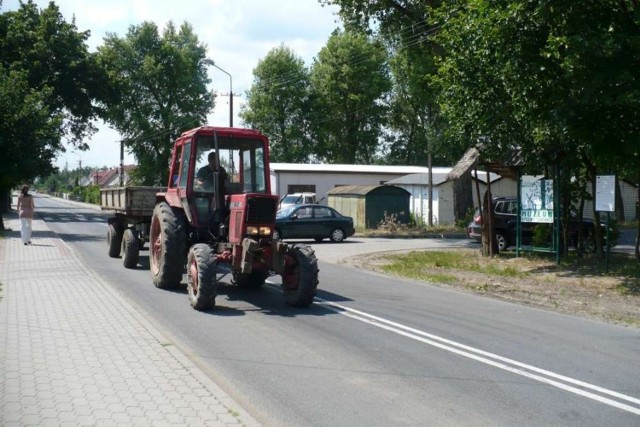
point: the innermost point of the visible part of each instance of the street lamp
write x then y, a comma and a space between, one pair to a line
213, 64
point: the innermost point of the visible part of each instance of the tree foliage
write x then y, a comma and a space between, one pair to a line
159, 89
277, 104
553, 81
349, 84
407, 28
48, 82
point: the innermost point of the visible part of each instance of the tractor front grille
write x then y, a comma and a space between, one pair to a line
261, 210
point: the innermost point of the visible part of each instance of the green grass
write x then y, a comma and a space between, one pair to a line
411, 231
435, 266
421, 265
629, 286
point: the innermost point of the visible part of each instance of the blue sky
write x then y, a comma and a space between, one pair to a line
237, 33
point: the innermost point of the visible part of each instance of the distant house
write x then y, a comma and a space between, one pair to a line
110, 177
289, 178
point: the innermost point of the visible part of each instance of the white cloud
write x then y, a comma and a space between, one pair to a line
237, 33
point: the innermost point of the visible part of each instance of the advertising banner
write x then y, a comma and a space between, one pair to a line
536, 200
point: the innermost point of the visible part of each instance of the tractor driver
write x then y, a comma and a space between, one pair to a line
204, 176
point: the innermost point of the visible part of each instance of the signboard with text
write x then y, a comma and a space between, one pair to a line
536, 200
605, 193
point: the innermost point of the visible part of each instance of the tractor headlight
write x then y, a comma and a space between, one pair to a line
252, 230
265, 231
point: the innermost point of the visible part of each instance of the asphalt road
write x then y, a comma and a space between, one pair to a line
376, 351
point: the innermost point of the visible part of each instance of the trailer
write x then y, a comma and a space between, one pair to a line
128, 229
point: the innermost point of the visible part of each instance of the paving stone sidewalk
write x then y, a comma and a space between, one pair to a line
74, 352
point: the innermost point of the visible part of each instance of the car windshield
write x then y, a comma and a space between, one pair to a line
284, 212
291, 199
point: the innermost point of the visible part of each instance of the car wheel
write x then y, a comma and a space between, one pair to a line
337, 235
501, 241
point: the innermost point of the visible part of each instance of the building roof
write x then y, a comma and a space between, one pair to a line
106, 178
438, 178
419, 179
360, 190
342, 168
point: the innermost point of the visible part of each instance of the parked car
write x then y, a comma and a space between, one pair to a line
312, 221
297, 199
505, 218
474, 228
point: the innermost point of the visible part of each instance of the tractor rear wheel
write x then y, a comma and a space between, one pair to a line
300, 276
167, 246
114, 239
202, 277
130, 248
253, 280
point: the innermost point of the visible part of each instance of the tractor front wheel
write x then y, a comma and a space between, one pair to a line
167, 246
201, 277
300, 276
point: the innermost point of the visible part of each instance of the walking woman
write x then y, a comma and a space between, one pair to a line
25, 207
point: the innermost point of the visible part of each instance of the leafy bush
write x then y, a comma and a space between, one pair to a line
468, 217
542, 235
390, 223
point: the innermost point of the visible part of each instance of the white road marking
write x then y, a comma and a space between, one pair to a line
495, 360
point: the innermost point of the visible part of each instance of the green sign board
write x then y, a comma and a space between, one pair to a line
536, 200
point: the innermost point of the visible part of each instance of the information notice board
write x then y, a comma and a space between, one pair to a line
605, 193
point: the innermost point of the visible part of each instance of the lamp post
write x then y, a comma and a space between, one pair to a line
213, 64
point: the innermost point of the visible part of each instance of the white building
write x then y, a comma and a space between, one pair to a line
289, 178
443, 187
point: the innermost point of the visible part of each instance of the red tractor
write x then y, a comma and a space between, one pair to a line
217, 217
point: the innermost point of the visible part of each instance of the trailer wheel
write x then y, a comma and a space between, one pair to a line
300, 276
168, 247
201, 277
114, 239
130, 249
253, 280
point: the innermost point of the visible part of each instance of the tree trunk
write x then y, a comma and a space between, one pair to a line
637, 249
619, 202
5, 204
489, 244
462, 196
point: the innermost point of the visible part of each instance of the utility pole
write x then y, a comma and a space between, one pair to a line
121, 162
213, 64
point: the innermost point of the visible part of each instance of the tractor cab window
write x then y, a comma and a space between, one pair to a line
240, 163
184, 165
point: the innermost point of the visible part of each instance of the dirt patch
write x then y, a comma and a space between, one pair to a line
542, 283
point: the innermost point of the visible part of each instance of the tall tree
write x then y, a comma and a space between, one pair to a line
277, 104
349, 84
160, 90
48, 82
407, 28
415, 126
